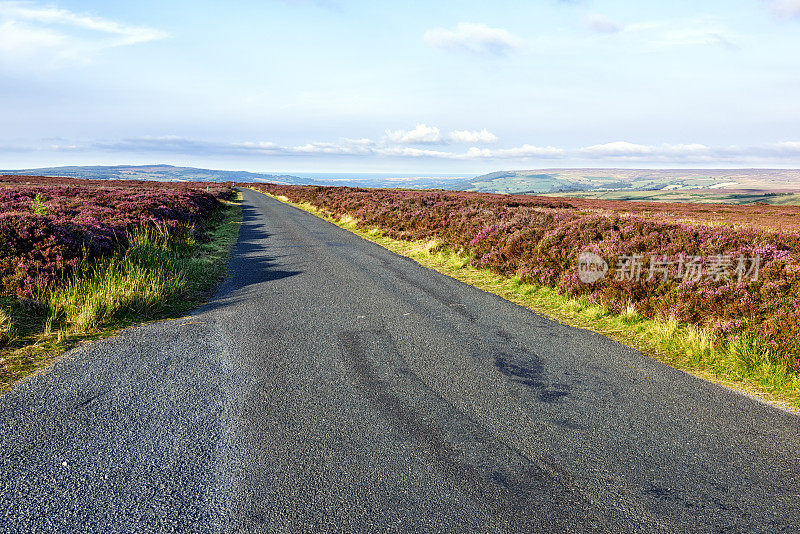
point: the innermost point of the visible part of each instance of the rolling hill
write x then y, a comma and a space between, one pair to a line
167, 173
576, 181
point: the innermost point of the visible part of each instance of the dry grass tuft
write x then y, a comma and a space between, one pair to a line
6, 328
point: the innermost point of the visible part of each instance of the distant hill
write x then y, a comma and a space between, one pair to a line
192, 174
584, 182
160, 173
676, 185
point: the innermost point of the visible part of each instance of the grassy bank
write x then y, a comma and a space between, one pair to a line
158, 276
737, 363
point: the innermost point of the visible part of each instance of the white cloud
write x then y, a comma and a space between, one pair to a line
257, 145
422, 134
16, 38
524, 151
699, 31
473, 38
53, 36
785, 8
601, 23
467, 137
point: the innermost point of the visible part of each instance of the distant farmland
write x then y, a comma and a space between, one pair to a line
671, 185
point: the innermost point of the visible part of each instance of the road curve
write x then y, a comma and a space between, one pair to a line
334, 386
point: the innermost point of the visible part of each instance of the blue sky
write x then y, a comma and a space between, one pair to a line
430, 87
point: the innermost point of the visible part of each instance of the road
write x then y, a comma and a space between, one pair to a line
334, 386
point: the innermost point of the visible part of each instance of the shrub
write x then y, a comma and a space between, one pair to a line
47, 230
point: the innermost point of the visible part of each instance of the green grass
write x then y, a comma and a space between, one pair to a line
158, 276
738, 363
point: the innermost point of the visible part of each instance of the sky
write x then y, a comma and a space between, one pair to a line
425, 87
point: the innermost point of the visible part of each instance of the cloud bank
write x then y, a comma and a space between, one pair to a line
786, 152
423, 134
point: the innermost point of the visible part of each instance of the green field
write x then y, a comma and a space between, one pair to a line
710, 196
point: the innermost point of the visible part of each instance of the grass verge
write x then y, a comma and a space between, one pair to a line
735, 363
157, 277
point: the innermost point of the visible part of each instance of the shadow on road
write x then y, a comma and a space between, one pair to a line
249, 263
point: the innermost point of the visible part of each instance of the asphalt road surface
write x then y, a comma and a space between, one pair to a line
334, 386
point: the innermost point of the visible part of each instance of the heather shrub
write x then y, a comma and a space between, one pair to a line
46, 230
